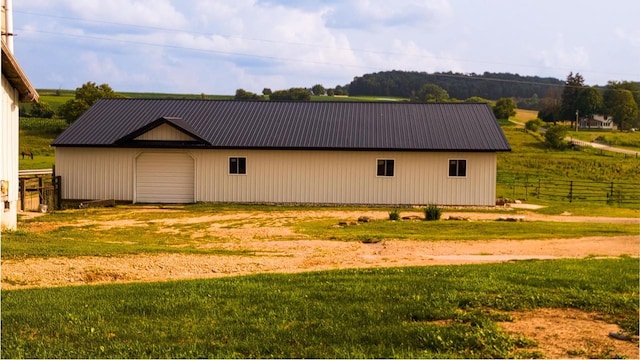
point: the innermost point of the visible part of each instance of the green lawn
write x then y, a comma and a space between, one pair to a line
461, 230
432, 312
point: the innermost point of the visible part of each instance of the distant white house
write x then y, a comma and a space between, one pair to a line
15, 88
598, 122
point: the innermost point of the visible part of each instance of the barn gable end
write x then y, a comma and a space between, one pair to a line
163, 132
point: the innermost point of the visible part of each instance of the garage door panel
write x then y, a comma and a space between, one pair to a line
165, 178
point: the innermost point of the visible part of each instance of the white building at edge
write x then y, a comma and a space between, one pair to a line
15, 88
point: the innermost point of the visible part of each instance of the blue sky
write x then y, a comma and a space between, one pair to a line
218, 46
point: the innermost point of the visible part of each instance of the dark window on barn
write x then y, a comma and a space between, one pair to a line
458, 168
237, 165
385, 167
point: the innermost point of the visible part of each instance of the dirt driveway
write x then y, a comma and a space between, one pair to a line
271, 254
556, 331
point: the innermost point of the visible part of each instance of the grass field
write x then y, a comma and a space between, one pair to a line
36, 135
56, 98
151, 234
531, 159
434, 312
522, 115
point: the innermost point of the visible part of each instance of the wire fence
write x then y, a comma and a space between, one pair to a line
612, 193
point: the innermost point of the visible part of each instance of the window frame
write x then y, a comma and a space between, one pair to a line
386, 162
238, 165
457, 168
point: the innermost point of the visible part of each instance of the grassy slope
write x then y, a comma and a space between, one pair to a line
443, 312
531, 159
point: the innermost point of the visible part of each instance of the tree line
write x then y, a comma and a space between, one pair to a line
488, 85
560, 100
618, 99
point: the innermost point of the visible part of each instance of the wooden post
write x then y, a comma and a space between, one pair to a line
41, 197
611, 190
57, 188
571, 191
22, 191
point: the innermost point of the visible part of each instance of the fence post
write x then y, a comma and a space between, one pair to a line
22, 191
57, 188
611, 190
571, 191
41, 195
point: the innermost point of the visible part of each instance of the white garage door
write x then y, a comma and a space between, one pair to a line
164, 178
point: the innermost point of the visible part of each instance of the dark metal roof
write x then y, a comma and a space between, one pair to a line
296, 125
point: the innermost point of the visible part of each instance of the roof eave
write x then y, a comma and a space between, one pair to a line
16, 77
197, 145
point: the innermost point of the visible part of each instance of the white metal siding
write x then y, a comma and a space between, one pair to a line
164, 177
345, 177
287, 176
164, 132
90, 173
9, 138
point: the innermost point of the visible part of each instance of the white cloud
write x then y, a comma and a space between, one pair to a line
217, 46
371, 13
562, 56
160, 13
631, 37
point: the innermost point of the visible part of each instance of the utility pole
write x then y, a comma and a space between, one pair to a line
577, 119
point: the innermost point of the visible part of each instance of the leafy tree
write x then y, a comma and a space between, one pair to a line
41, 109
620, 104
634, 87
85, 96
318, 90
242, 94
554, 136
504, 108
330, 92
572, 88
550, 106
589, 101
477, 99
432, 93
530, 103
341, 90
293, 94
266, 91
533, 125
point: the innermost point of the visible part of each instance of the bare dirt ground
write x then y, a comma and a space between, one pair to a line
559, 333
